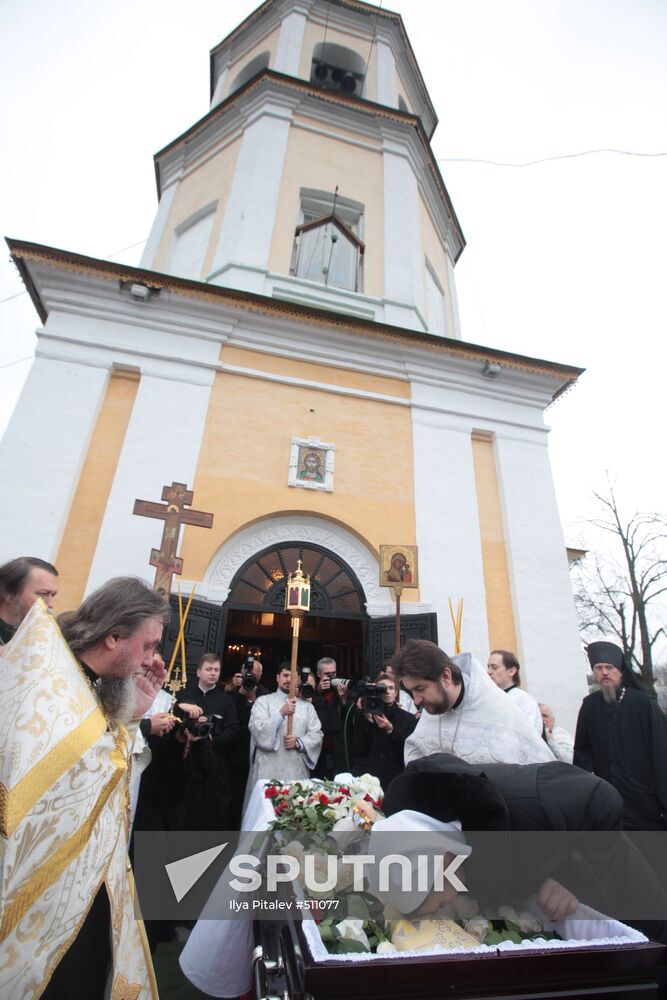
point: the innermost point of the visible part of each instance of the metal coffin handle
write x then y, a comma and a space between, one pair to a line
263, 967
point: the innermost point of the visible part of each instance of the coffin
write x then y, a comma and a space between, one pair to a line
288, 963
596, 958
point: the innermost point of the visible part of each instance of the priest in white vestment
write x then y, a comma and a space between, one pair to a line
274, 754
67, 921
464, 712
503, 669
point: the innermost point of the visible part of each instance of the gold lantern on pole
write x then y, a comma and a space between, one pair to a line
297, 602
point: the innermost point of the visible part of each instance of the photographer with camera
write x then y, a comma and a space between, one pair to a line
244, 688
207, 742
330, 702
379, 731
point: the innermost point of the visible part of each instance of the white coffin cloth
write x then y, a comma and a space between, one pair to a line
217, 957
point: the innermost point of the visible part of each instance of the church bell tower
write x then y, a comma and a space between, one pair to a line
312, 179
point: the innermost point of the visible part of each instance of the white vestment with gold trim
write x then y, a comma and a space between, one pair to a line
63, 818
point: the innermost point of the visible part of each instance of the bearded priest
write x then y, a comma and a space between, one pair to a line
71, 690
463, 711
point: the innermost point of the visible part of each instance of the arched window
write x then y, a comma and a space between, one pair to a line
327, 244
260, 583
251, 69
337, 68
189, 243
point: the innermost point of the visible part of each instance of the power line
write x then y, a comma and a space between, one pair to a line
18, 361
546, 159
375, 25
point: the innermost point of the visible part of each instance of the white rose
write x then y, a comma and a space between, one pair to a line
386, 948
478, 926
465, 907
529, 923
352, 929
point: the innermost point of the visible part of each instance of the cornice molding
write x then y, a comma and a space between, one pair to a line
38, 265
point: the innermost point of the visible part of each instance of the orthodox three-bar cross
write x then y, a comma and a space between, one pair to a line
177, 497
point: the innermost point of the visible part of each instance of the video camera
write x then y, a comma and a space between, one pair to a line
371, 696
248, 680
203, 726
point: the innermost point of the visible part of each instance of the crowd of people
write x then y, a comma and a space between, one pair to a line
195, 759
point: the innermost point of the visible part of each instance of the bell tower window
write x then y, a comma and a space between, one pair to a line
336, 68
327, 244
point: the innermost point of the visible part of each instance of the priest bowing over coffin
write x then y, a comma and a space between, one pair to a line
67, 922
464, 712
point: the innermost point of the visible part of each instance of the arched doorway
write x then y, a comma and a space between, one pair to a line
252, 619
255, 620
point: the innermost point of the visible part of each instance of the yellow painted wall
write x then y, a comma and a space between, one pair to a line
314, 161
79, 540
314, 33
270, 42
244, 459
208, 183
313, 372
499, 609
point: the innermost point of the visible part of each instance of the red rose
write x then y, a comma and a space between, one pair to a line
324, 799
367, 798
339, 799
270, 792
343, 790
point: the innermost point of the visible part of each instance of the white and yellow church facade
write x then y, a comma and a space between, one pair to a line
296, 298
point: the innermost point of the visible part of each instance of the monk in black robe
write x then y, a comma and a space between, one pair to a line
622, 737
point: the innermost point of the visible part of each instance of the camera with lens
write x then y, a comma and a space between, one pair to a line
372, 697
248, 680
306, 690
201, 726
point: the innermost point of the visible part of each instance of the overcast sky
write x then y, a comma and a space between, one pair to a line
565, 260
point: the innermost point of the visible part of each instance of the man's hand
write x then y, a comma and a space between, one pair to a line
162, 723
288, 708
290, 742
192, 711
342, 691
556, 901
324, 683
383, 723
236, 680
148, 681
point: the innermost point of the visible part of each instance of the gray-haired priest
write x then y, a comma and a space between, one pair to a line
67, 921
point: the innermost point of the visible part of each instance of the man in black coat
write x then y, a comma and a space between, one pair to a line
244, 690
330, 703
606, 871
622, 737
378, 738
205, 759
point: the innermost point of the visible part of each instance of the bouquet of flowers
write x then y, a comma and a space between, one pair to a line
315, 806
329, 815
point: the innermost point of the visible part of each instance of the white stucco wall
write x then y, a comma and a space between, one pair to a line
550, 647
42, 451
161, 446
448, 536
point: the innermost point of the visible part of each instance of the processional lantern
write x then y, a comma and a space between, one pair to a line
297, 603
